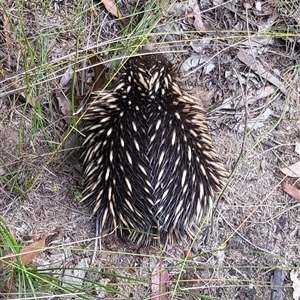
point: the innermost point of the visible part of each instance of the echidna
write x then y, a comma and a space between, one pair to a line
149, 163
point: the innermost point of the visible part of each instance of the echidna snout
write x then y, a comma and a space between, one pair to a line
149, 162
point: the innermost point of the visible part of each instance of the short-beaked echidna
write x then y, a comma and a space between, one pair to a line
149, 164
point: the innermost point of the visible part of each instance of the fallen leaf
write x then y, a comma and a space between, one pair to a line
199, 46
264, 92
198, 22
111, 7
24, 96
259, 68
296, 284
247, 5
6, 25
63, 104
66, 77
221, 257
193, 61
218, 2
292, 171
27, 255
101, 289
28, 98
159, 281
258, 42
254, 123
30, 252
131, 271
208, 68
258, 5
10, 289
99, 73
291, 190
75, 276
187, 253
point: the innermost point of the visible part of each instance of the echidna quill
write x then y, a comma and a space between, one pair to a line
150, 168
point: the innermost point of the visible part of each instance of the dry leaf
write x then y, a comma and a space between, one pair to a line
264, 92
111, 7
198, 22
254, 123
296, 284
218, 2
6, 25
193, 61
258, 5
247, 5
29, 253
63, 104
66, 77
259, 68
291, 190
159, 281
27, 97
292, 171
187, 253
10, 289
131, 271
99, 72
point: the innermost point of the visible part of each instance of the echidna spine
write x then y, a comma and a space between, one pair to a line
149, 162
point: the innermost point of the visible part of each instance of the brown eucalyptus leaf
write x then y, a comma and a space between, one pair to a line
7, 31
291, 190
292, 170
99, 73
30, 252
159, 281
111, 7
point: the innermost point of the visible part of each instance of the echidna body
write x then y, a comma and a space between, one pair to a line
149, 163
